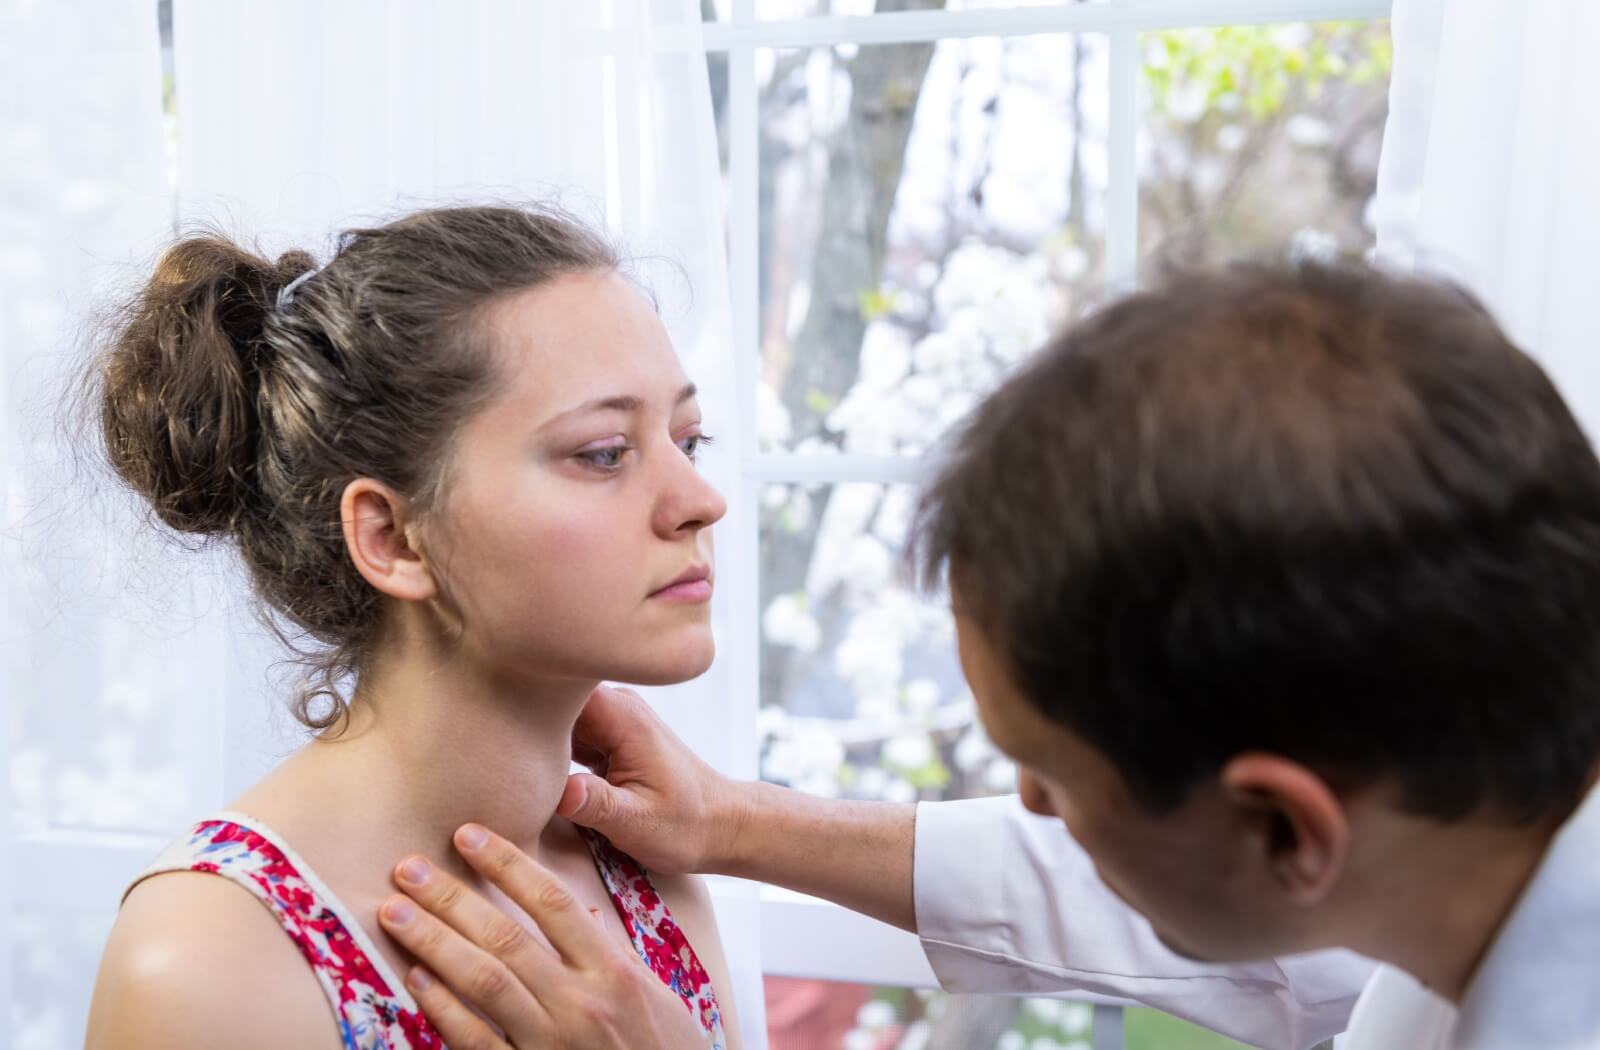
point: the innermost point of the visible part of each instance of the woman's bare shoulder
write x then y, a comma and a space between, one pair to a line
196, 961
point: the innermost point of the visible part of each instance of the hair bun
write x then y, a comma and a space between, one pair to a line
178, 382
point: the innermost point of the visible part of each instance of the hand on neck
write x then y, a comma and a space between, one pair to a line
434, 738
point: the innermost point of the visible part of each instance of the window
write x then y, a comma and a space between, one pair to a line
918, 193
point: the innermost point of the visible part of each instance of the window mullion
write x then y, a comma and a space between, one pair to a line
744, 267
920, 26
836, 469
1122, 196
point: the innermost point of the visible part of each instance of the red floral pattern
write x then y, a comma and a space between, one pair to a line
655, 936
374, 1011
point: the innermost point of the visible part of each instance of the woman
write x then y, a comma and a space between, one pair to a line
460, 458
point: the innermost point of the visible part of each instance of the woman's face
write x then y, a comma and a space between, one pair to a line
572, 501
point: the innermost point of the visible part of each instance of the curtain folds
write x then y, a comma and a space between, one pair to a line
137, 690
297, 118
1491, 166
94, 722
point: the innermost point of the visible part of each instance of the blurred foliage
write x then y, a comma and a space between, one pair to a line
1261, 65
1153, 1030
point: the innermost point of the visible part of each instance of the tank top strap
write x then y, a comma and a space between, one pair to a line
656, 937
373, 1009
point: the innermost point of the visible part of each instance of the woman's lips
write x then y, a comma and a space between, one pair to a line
690, 591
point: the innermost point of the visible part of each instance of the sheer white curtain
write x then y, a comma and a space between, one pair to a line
1491, 169
108, 675
137, 690
297, 118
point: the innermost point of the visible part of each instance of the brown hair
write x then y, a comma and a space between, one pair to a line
1318, 511
243, 420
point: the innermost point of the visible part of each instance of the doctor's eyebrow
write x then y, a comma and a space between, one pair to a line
619, 403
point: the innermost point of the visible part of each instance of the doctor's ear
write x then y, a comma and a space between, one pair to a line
1299, 823
378, 533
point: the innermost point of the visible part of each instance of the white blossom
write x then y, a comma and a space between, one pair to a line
869, 660
875, 1013
1315, 245
808, 758
1073, 263
911, 751
881, 710
1187, 101
974, 750
898, 790
885, 355
922, 695
871, 782
1076, 1017
894, 514
918, 1035
1307, 131
936, 353
1001, 776
866, 565
788, 622
773, 425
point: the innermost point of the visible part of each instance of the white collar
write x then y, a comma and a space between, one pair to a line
1539, 985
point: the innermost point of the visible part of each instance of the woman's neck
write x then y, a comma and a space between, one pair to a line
428, 745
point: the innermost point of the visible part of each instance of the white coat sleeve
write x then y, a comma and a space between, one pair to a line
1007, 903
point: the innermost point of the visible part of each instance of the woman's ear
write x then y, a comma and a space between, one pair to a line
377, 533
1304, 834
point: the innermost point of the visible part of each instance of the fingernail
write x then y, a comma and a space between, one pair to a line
415, 871
399, 911
419, 979
471, 836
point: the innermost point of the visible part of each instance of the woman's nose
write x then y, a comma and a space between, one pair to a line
689, 501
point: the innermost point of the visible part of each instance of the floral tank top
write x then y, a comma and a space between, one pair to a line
373, 1008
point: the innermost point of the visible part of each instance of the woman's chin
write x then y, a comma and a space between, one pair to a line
687, 659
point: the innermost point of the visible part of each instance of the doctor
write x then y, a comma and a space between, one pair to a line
1282, 587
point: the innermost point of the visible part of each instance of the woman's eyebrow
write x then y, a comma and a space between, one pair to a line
618, 403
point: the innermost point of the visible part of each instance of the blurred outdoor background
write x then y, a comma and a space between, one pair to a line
929, 212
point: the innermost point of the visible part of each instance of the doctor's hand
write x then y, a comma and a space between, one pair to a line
650, 795
582, 990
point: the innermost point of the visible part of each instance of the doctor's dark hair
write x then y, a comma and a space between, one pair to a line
1315, 511
241, 419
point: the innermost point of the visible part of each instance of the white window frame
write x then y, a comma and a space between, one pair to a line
801, 936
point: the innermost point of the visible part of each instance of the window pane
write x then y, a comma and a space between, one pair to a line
928, 214
777, 9
55, 955
1261, 139
862, 693
804, 1014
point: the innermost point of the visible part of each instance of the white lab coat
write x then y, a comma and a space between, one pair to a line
1008, 903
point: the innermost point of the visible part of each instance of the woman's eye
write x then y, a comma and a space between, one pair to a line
692, 445
609, 458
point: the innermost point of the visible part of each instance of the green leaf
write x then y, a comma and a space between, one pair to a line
819, 402
875, 304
